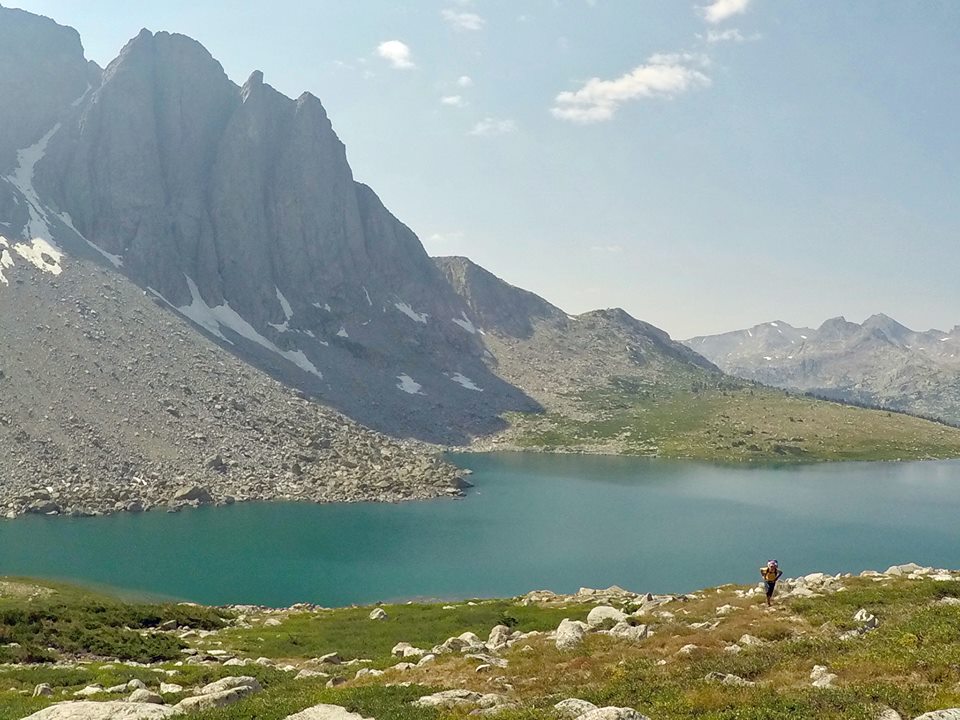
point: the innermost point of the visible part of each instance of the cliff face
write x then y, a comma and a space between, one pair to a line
236, 207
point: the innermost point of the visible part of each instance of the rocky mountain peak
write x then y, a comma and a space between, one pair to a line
497, 305
42, 71
236, 208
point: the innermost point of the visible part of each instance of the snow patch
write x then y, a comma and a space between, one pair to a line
466, 324
215, 318
767, 357
466, 382
325, 306
945, 339
369, 301
342, 332
284, 304
115, 260
44, 255
804, 337
749, 333
6, 261
411, 313
22, 180
773, 325
409, 385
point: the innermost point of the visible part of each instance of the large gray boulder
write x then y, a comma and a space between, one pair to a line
572, 708
569, 634
85, 710
613, 713
325, 712
604, 616
949, 714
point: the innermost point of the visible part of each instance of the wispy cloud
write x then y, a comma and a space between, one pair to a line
491, 126
733, 35
453, 100
460, 20
396, 53
663, 76
465, 81
720, 10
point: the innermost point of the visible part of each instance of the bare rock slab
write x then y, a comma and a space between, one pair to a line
86, 710
325, 712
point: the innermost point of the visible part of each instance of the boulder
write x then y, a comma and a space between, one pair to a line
613, 713
572, 708
170, 688
499, 637
306, 674
688, 649
626, 631
42, 690
907, 569
868, 620
604, 616
89, 690
449, 698
727, 679
115, 710
192, 493
230, 683
375, 614
210, 701
570, 634
272, 622
325, 712
821, 677
145, 696
329, 659
948, 714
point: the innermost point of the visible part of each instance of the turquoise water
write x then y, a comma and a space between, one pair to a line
532, 521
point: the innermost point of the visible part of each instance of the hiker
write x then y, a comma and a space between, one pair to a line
770, 573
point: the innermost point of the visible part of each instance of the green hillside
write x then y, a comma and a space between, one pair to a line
830, 647
726, 421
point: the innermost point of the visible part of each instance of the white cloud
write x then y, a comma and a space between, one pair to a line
720, 10
463, 20
491, 126
465, 81
733, 35
453, 100
397, 54
663, 75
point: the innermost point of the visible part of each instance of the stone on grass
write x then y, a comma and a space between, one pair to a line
449, 698
272, 622
572, 708
306, 674
88, 691
325, 712
145, 696
42, 690
376, 614
170, 688
499, 637
948, 714
229, 683
604, 616
570, 634
613, 713
114, 710
626, 631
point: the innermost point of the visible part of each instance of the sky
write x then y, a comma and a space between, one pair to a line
706, 165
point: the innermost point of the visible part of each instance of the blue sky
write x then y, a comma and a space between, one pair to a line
704, 166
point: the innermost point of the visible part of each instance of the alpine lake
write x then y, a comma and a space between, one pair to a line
532, 521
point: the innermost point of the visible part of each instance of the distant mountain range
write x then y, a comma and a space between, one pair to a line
879, 362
